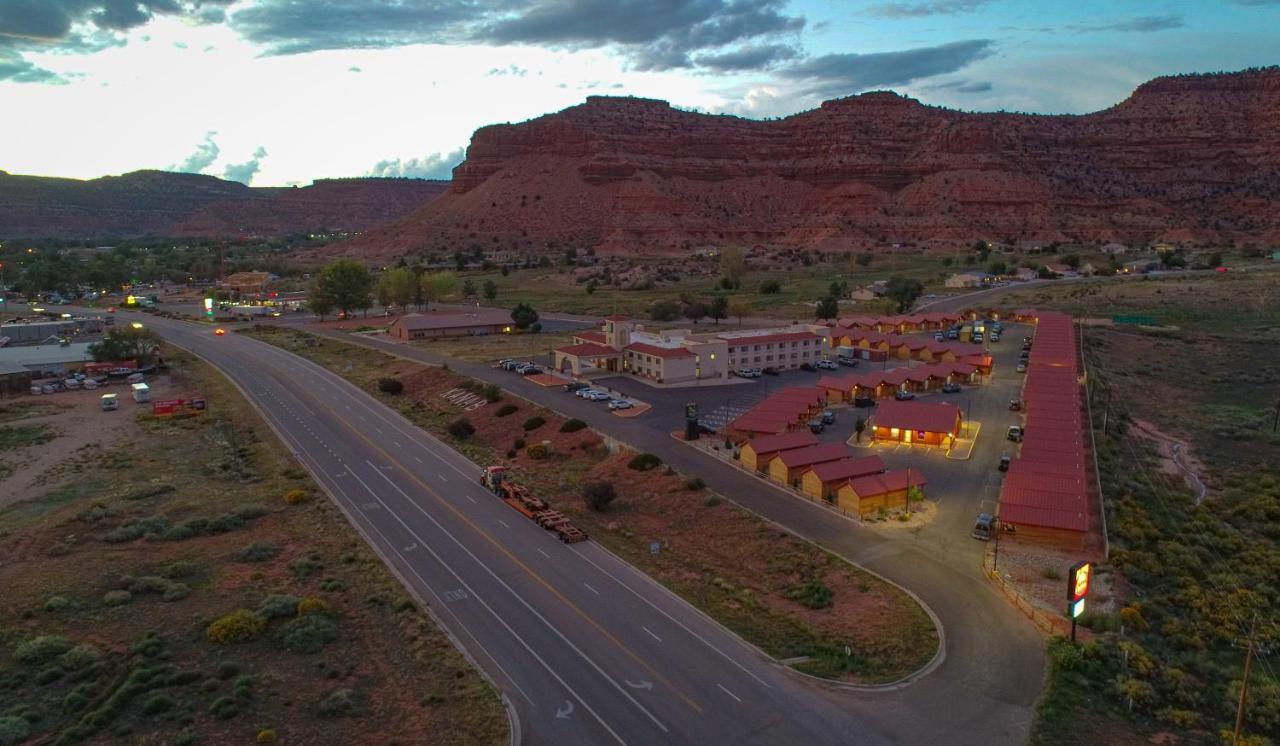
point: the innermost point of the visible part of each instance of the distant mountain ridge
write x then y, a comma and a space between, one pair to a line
163, 203
1189, 159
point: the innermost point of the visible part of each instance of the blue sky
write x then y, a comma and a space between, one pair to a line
275, 92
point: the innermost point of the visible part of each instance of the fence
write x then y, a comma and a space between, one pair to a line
1047, 620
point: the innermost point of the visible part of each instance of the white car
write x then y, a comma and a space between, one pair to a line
596, 396
616, 404
826, 365
583, 392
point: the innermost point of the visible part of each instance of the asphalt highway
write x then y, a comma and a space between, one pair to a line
586, 649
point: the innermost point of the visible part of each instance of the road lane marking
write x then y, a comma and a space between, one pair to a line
543, 552
396, 444
504, 523
415, 458
469, 497
731, 694
593, 590
646, 629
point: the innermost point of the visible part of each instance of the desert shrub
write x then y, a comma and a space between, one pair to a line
812, 593
157, 703
598, 495
507, 409
135, 529
293, 473
492, 393
240, 625
770, 287
331, 585
644, 462
390, 385
278, 606
339, 703
80, 656
533, 423
511, 453
180, 569
41, 648
57, 603
312, 605
693, 484
712, 501
224, 708
258, 551
572, 426
306, 565
175, 592
296, 497
537, 451
308, 634
266, 735
13, 730
116, 598
1051, 573
461, 428
518, 443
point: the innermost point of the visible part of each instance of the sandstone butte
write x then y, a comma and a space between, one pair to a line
1188, 159
159, 203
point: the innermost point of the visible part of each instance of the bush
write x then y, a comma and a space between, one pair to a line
812, 593
312, 605
240, 625
533, 423
492, 393
296, 497
279, 606
518, 443
157, 703
572, 426
390, 385
712, 501
461, 428
180, 569
79, 657
340, 703
507, 409
306, 566
41, 648
644, 462
770, 287
693, 484
308, 634
13, 730
598, 495
267, 735
537, 451
175, 592
259, 551
224, 708
56, 603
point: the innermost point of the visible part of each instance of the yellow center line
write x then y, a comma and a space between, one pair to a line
529, 570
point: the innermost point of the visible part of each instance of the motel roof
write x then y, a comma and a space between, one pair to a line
761, 423
656, 351
794, 459
890, 481
769, 338
591, 336
1054, 467
919, 416
848, 468
588, 349
1027, 515
1041, 482
775, 443
453, 319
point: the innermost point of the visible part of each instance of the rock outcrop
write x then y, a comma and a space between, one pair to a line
1191, 159
160, 203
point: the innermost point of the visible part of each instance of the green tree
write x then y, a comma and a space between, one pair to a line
733, 265
127, 343
997, 267
739, 308
347, 283
903, 291
468, 289
490, 290
524, 316
864, 260
859, 428
1072, 261
719, 308
319, 300
664, 310
694, 311
827, 308
438, 285
770, 287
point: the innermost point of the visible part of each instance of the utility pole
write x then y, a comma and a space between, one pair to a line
1244, 683
1276, 421
1106, 413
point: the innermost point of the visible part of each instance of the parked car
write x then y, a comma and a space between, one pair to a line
953, 334
977, 338
951, 388
748, 373
616, 404
584, 392
1022, 367
595, 395
995, 336
903, 395
1015, 405
848, 362
1015, 433
828, 416
706, 428
576, 386
1004, 462
939, 336
530, 370
503, 362
807, 368
770, 371
984, 526
827, 365
816, 426
863, 402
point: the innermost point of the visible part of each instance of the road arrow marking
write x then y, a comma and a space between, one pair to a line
563, 713
642, 685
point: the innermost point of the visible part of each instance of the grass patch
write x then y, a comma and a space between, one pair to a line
13, 437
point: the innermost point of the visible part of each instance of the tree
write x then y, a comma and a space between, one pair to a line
319, 300
591, 287
1072, 261
664, 310
733, 265
127, 343
382, 291
468, 289
719, 308
694, 311
864, 260
438, 285
997, 267
598, 495
346, 283
827, 308
524, 316
770, 287
739, 308
490, 290
903, 291
859, 428
570, 256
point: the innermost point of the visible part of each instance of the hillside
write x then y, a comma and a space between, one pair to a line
176, 204
1184, 159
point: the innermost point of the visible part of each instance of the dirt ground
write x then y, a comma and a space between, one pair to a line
181, 581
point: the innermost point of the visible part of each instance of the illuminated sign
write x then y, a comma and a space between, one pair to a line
208, 306
1077, 608
1078, 581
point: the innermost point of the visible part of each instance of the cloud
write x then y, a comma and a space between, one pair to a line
748, 58
924, 9
244, 172
961, 86
1141, 24
15, 69
514, 70
846, 73
354, 69
437, 166
204, 156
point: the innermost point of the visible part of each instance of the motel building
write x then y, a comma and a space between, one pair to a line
917, 422
622, 345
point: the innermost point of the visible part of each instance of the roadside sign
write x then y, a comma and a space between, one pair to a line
1078, 580
654, 547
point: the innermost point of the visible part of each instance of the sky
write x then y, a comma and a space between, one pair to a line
281, 92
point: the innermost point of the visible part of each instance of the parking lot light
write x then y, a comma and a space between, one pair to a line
136, 324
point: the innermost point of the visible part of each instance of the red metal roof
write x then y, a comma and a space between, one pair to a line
890, 481
848, 468
793, 459
769, 338
786, 442
597, 337
588, 349
759, 423
1026, 515
657, 351
919, 416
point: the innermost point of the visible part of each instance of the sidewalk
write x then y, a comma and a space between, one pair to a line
962, 448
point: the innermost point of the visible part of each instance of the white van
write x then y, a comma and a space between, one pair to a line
141, 393
110, 402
